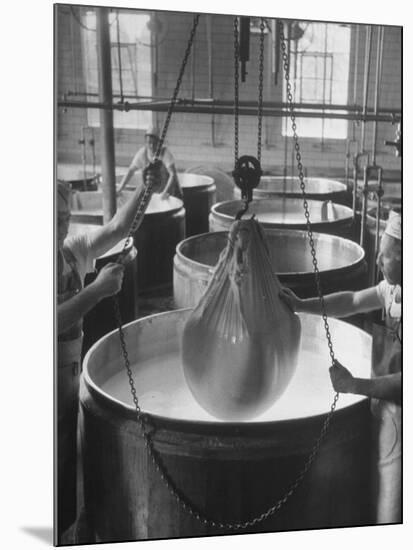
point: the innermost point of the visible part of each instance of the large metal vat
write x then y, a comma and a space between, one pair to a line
224, 182
230, 471
79, 179
162, 228
199, 194
341, 263
289, 186
101, 319
286, 213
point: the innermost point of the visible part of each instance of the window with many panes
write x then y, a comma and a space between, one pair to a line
131, 64
319, 73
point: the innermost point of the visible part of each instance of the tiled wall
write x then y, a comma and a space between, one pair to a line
202, 139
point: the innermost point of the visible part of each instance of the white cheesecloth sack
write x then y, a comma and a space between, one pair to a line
240, 344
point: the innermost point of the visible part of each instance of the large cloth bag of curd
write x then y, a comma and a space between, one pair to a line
240, 344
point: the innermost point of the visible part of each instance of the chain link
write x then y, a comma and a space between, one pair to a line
286, 65
142, 419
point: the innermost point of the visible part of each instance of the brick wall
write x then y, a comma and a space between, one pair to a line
202, 139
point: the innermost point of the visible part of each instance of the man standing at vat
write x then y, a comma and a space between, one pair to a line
75, 258
384, 387
169, 183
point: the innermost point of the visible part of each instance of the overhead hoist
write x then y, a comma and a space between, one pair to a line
246, 173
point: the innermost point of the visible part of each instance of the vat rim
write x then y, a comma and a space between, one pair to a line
317, 235
129, 411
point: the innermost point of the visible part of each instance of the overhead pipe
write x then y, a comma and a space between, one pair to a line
204, 108
107, 157
245, 103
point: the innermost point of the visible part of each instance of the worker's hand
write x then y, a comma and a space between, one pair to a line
342, 379
165, 195
109, 280
290, 299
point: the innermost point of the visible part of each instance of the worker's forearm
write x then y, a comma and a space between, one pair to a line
74, 309
339, 304
383, 387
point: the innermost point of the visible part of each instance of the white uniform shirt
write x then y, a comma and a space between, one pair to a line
390, 297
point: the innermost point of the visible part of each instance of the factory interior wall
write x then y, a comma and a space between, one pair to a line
205, 139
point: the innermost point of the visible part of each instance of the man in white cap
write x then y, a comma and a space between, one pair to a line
75, 258
168, 183
385, 385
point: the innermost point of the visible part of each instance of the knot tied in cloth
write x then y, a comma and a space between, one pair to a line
240, 344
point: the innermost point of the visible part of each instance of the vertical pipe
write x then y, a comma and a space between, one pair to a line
208, 22
356, 71
379, 66
276, 50
285, 122
366, 83
193, 65
83, 143
106, 115
270, 62
378, 217
295, 50
324, 82
154, 55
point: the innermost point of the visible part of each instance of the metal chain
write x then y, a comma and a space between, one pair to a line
160, 467
260, 88
302, 186
157, 461
146, 193
178, 85
236, 90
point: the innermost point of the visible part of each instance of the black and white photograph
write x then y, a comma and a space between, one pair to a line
225, 197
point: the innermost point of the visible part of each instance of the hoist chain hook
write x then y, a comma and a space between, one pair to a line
246, 174
247, 169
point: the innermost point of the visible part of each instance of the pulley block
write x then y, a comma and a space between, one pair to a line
247, 174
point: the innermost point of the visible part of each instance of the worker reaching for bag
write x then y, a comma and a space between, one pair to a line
75, 258
384, 387
168, 183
